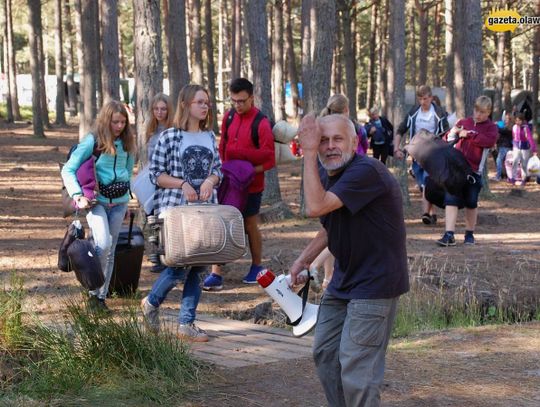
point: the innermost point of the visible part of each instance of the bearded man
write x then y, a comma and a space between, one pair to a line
359, 204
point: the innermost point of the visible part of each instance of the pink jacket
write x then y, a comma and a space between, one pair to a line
522, 138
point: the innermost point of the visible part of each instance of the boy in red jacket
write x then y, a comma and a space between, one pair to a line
476, 135
237, 143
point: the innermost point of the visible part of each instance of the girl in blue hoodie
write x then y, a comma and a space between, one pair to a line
113, 142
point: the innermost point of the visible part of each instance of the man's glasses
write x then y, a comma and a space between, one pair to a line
239, 102
201, 103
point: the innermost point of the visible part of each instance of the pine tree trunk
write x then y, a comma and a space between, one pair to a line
42, 71
435, 63
382, 46
149, 63
59, 65
499, 77
396, 81
88, 64
348, 55
508, 72
278, 65
196, 41
535, 79
325, 17
236, 43
306, 55
11, 65
110, 73
177, 56
210, 66
291, 59
449, 54
372, 62
71, 87
34, 15
423, 14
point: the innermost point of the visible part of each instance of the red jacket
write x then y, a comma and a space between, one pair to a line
483, 135
240, 146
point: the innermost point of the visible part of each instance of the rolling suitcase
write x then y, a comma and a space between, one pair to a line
199, 234
128, 258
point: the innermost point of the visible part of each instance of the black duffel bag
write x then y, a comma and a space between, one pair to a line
446, 165
85, 263
74, 231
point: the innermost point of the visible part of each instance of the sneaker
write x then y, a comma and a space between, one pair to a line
151, 315
469, 239
511, 181
447, 240
251, 277
192, 333
426, 219
495, 179
433, 219
98, 305
213, 282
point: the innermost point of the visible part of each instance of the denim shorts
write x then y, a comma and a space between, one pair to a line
253, 205
469, 198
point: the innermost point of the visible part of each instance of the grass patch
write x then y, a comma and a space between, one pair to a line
26, 111
94, 359
435, 302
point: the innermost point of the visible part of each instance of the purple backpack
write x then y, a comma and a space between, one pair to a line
237, 177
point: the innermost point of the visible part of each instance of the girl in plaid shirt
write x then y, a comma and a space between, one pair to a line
185, 167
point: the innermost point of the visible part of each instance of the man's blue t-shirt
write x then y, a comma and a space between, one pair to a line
367, 235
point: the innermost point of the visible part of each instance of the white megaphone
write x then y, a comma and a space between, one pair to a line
278, 288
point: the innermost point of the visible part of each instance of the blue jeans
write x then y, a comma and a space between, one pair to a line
105, 222
349, 349
501, 155
191, 294
420, 175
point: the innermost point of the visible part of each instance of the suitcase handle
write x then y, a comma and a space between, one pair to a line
131, 218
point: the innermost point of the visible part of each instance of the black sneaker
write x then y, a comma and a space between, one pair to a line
98, 305
447, 240
469, 239
433, 219
426, 219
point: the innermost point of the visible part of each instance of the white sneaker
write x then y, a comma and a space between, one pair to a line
151, 315
192, 333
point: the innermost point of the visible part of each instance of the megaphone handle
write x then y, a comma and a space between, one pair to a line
304, 291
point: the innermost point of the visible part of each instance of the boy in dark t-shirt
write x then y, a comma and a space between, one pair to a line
360, 206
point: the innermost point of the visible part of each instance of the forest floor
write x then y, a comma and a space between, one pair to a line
493, 365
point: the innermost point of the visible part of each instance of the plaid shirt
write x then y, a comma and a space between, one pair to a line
167, 160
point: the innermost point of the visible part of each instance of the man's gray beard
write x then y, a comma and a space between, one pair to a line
345, 158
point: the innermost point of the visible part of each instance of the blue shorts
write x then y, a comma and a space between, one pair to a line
253, 205
469, 198
419, 174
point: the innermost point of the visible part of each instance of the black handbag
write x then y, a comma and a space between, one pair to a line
85, 263
74, 231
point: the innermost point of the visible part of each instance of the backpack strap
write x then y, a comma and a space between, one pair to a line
228, 121
254, 126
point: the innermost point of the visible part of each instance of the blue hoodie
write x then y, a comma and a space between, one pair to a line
109, 168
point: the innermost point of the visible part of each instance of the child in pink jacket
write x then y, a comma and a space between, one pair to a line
523, 145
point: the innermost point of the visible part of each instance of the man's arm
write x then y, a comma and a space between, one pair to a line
318, 201
312, 250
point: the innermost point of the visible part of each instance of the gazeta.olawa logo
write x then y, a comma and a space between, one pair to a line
501, 20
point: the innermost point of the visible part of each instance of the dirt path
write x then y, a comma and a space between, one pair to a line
486, 366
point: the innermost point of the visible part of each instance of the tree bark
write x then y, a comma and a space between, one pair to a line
71, 87
11, 65
508, 72
34, 30
396, 80
383, 46
59, 66
196, 41
372, 61
292, 72
88, 64
319, 81
278, 57
449, 54
499, 77
348, 54
149, 63
413, 47
535, 79
177, 55
336, 79
210, 66
110, 63
436, 60
43, 71
423, 14
236, 43
307, 8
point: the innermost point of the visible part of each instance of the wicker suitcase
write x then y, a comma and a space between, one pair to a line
199, 234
